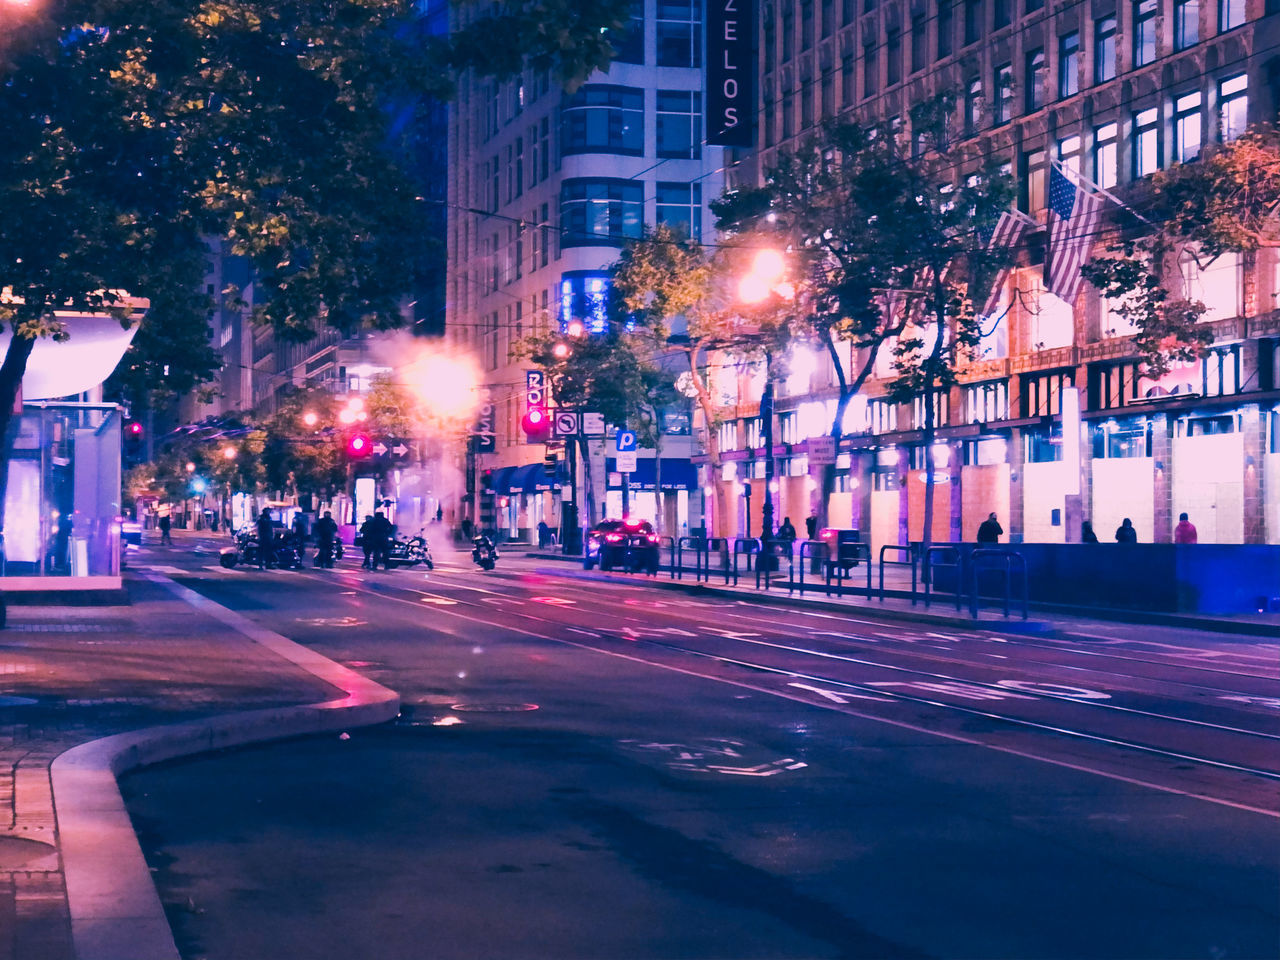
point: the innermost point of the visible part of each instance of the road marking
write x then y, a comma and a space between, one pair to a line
1271, 702
439, 601
968, 691
555, 601
838, 696
585, 633
1054, 689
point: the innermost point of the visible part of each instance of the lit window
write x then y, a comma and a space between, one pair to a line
1230, 14
1186, 23
679, 124
1104, 49
1069, 153
973, 107
1105, 172
1035, 80
1216, 284
1233, 106
1146, 142
680, 204
1186, 127
1004, 93
600, 118
1068, 64
1144, 32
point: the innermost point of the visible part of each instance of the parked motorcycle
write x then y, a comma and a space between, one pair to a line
409, 553
246, 551
484, 552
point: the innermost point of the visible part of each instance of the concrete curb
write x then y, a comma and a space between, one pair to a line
116, 912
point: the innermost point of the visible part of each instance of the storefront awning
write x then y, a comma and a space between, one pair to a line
677, 474
531, 478
94, 347
498, 480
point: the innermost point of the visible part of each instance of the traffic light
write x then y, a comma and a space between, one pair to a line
536, 425
359, 446
549, 461
134, 448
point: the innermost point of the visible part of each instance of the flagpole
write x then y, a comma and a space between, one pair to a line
1082, 180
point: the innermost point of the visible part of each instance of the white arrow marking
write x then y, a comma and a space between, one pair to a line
839, 696
1272, 702
763, 770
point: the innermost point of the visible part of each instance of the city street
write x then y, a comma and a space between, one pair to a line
586, 768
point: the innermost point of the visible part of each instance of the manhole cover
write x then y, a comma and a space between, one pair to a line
18, 851
16, 702
493, 707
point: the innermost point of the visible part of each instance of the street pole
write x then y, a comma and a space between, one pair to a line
569, 511
626, 495
766, 416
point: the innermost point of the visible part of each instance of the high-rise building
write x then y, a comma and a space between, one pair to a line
1114, 90
544, 188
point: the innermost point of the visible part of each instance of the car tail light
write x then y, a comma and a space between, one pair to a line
652, 538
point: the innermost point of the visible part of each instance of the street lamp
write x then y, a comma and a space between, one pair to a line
310, 418
229, 453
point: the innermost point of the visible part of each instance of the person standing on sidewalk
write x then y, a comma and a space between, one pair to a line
990, 531
1185, 531
164, 530
326, 533
1125, 532
266, 540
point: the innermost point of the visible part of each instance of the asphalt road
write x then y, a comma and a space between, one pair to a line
589, 769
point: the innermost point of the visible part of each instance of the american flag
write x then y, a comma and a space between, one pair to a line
1073, 217
1007, 234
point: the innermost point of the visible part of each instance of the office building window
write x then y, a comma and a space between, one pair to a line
628, 43
1104, 49
1068, 64
788, 31
1004, 93
679, 33
1033, 182
519, 170
986, 402
1069, 153
542, 159
972, 21
1000, 13
1216, 283
827, 106
806, 24
1042, 394
680, 205
1230, 14
1144, 32
946, 28
544, 228
788, 115
893, 53
599, 211
919, 44
848, 11
1186, 127
600, 118
973, 107
769, 119
679, 124
827, 16
870, 70
806, 102
1146, 142
1034, 5
1186, 23
1105, 170
1233, 106
1034, 78
847, 80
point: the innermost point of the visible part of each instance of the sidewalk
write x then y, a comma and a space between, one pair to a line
70, 676
1043, 618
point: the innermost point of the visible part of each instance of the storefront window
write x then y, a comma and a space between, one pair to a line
1122, 438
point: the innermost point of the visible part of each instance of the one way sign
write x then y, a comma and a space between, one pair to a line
397, 448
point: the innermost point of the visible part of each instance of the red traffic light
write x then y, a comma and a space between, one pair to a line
135, 428
536, 425
359, 445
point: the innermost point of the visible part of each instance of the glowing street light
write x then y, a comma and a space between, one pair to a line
191, 467
560, 350
229, 453
310, 418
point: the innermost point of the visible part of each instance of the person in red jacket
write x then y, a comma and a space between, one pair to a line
1185, 531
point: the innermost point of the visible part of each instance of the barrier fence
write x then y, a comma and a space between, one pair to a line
955, 572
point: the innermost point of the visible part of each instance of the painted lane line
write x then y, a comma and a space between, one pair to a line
902, 724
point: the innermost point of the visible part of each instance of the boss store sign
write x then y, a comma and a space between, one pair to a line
731, 69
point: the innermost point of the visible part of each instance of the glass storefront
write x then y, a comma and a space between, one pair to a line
62, 496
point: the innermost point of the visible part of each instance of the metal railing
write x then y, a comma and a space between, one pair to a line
909, 562
743, 547
848, 556
817, 551
998, 560
767, 563
933, 560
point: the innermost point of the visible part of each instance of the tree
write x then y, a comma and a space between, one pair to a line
685, 301
1225, 201
887, 247
136, 131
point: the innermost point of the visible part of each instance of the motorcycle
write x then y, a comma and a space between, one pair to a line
285, 553
483, 552
409, 553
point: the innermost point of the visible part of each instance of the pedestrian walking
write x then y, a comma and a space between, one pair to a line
787, 531
811, 526
1125, 532
326, 534
381, 532
266, 540
990, 531
1185, 531
366, 540
164, 530
1086, 533
439, 512
544, 534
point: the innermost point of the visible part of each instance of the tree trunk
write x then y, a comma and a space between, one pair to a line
930, 424
657, 473
11, 373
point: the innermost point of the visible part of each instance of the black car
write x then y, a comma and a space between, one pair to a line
630, 545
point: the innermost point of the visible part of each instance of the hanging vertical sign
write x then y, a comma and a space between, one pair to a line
731, 70
483, 434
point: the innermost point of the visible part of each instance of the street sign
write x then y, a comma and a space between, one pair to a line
565, 424
625, 441
626, 461
593, 424
822, 450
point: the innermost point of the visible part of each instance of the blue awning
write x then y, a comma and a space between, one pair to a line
677, 474
530, 478
499, 478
